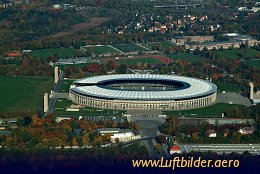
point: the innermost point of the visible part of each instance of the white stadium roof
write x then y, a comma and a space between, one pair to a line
197, 88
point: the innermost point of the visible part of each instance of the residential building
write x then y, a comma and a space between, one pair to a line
247, 130
175, 149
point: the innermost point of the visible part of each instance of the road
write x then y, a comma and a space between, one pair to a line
148, 128
222, 148
56, 89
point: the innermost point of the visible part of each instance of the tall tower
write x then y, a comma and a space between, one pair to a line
45, 102
251, 91
56, 74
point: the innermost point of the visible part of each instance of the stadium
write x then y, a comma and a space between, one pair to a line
143, 92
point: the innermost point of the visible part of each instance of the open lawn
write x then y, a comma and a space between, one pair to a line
65, 86
185, 56
214, 110
166, 44
60, 52
141, 60
129, 47
255, 63
228, 87
236, 53
23, 93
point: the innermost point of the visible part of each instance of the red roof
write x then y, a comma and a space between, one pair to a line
14, 54
175, 148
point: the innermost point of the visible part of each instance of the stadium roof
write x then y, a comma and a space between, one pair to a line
196, 89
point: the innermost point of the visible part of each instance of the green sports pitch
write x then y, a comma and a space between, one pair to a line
129, 47
23, 93
101, 49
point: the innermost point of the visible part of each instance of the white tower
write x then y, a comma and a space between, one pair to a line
45, 102
56, 74
251, 91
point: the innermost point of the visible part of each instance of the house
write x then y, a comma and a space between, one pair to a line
175, 149
210, 133
247, 130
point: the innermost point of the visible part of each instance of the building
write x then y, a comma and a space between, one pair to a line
117, 133
175, 149
212, 45
210, 133
179, 40
247, 130
143, 92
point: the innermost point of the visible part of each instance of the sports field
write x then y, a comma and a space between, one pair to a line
148, 60
60, 52
214, 110
236, 53
185, 56
23, 93
255, 63
102, 49
164, 45
129, 47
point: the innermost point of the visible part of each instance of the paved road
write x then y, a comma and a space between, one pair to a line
55, 90
148, 128
222, 148
61, 95
116, 119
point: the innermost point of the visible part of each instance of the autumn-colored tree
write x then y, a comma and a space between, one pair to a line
85, 139
74, 141
93, 67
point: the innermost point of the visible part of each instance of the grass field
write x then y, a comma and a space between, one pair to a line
164, 44
214, 110
228, 87
129, 47
60, 52
65, 86
141, 60
185, 56
104, 49
250, 53
255, 63
23, 93
145, 45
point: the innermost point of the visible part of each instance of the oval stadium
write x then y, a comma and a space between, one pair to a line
143, 92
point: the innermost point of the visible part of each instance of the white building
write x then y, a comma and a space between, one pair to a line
117, 133
247, 130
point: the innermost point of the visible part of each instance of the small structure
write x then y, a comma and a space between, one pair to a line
56, 74
251, 91
175, 149
210, 133
45, 102
247, 130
